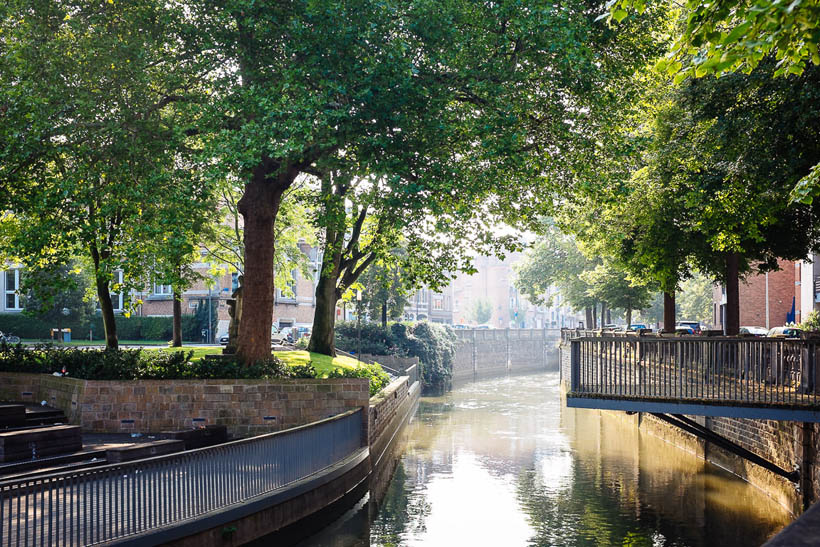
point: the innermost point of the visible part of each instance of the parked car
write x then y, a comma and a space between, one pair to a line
754, 331
634, 327
279, 336
784, 332
299, 332
694, 326
224, 340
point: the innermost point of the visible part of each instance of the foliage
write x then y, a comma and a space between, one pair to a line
384, 287
134, 364
375, 339
129, 328
64, 287
613, 286
733, 35
812, 322
482, 311
555, 261
694, 300
433, 344
378, 378
91, 103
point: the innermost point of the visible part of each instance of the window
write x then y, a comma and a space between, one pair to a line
12, 286
234, 281
163, 290
438, 304
117, 299
423, 296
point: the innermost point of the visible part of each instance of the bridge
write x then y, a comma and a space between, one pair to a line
757, 378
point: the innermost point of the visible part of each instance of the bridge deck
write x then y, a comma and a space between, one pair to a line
738, 377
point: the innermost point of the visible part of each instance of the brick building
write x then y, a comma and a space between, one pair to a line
494, 282
766, 300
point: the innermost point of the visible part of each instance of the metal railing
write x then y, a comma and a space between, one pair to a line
756, 371
120, 500
413, 373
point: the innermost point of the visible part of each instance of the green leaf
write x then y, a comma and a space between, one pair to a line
619, 15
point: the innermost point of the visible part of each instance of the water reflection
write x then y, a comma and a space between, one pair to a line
502, 463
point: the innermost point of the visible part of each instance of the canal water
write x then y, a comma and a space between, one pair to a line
502, 463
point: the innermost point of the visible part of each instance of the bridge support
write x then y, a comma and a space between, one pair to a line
690, 426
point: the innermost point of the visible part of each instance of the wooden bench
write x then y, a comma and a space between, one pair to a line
12, 415
143, 450
26, 444
199, 437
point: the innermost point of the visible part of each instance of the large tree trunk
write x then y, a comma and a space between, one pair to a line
732, 295
669, 312
104, 297
628, 317
324, 319
259, 206
107, 310
177, 336
588, 313
603, 314
384, 315
594, 324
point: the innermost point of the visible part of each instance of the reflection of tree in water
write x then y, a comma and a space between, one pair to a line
399, 512
584, 514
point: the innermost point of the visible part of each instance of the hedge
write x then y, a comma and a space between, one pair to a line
128, 328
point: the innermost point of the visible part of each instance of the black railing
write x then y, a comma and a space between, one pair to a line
757, 371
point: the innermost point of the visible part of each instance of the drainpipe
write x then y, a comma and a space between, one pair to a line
767, 300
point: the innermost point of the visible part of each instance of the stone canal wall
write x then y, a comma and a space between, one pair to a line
492, 352
246, 407
789, 445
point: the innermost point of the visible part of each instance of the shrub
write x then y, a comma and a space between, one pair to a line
375, 340
433, 344
132, 364
812, 322
378, 378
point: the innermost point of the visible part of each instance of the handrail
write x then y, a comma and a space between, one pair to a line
736, 370
116, 501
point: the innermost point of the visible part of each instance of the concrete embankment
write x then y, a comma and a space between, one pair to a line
486, 353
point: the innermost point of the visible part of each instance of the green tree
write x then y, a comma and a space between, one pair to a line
384, 291
612, 285
92, 146
695, 301
53, 290
455, 99
482, 311
556, 262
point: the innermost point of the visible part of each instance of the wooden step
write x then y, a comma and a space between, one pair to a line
12, 415
143, 450
199, 437
38, 442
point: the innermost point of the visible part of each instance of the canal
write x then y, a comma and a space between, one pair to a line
501, 462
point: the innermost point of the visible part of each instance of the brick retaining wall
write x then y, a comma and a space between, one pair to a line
246, 407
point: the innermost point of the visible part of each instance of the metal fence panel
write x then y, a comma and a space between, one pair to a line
766, 371
120, 500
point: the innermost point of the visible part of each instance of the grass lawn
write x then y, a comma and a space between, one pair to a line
322, 363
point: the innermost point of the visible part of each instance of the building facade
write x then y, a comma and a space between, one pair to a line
766, 300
